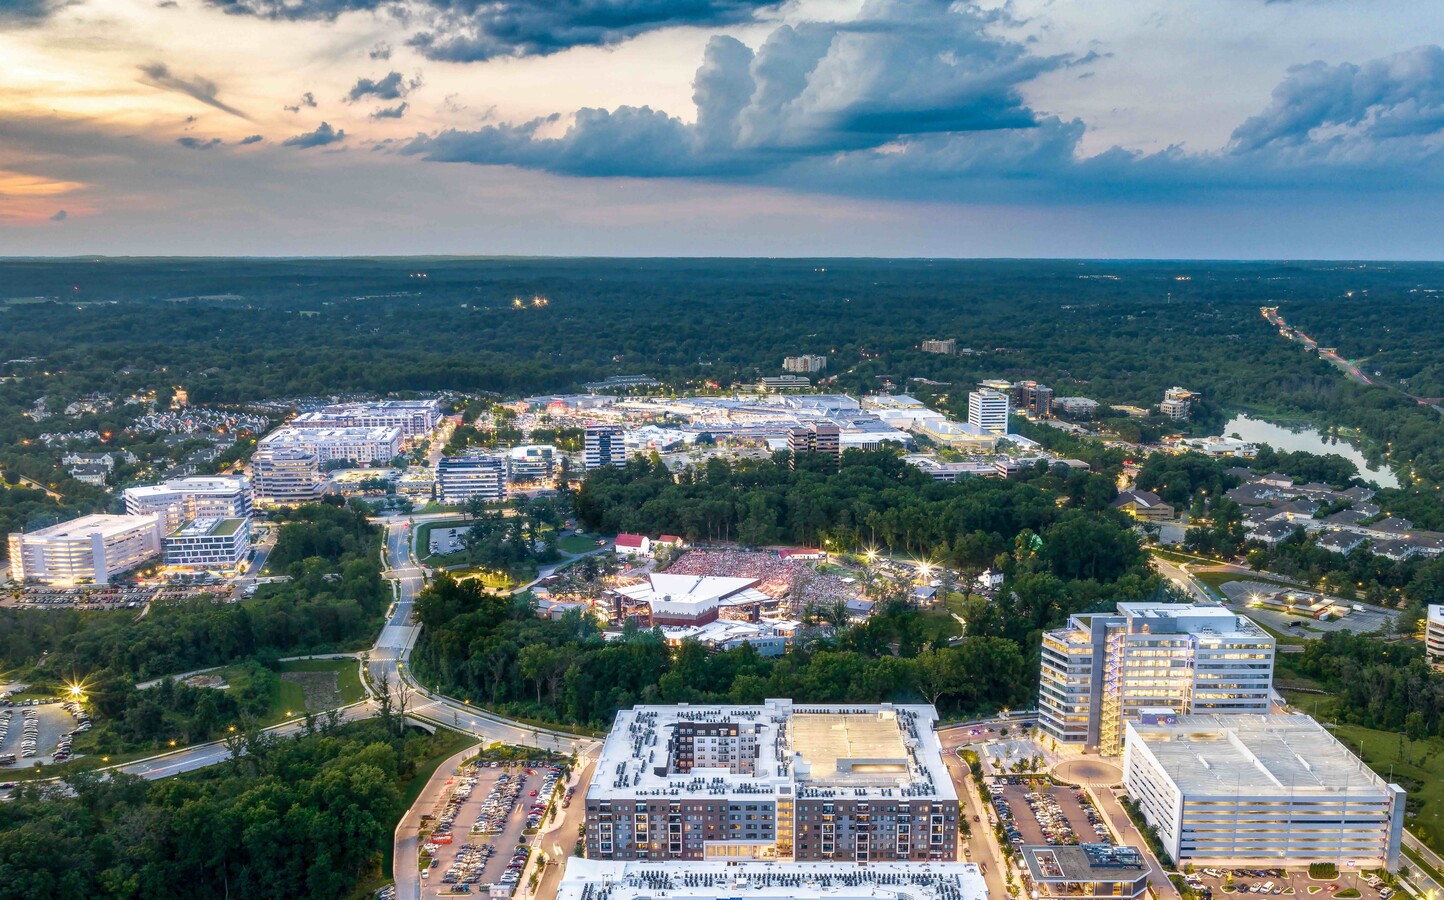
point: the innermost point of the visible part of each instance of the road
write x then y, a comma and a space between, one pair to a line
1117, 816
1180, 576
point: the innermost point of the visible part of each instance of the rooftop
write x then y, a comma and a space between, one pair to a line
601, 879
1242, 754
1084, 862
210, 527
85, 526
690, 594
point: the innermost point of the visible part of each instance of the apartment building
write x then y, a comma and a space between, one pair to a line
1261, 790
988, 410
282, 476
815, 437
947, 347
605, 446
1033, 400
415, 418
354, 445
200, 497
783, 781
462, 478
1434, 633
210, 544
1102, 670
593, 879
804, 365
88, 550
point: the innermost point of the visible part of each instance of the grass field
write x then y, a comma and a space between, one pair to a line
575, 543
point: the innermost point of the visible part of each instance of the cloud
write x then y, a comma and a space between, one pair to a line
324, 135
196, 87
167, 4
60, 216
380, 51
1397, 96
392, 86
195, 143
391, 112
28, 12
250, 139
308, 100
477, 30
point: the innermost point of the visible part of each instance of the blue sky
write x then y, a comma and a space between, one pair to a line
1155, 128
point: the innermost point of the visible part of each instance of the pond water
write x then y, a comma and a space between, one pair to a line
1308, 439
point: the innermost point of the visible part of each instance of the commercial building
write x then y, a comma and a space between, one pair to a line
285, 475
1076, 407
778, 384
211, 544
785, 781
1177, 403
356, 445
1102, 670
817, 437
595, 879
605, 446
1083, 871
1434, 633
948, 347
804, 365
182, 499
1033, 400
88, 550
459, 479
1261, 790
415, 418
530, 463
988, 410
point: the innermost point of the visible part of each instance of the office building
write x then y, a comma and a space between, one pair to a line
1103, 670
780, 384
948, 347
201, 497
596, 879
1076, 407
846, 784
460, 479
821, 438
988, 410
1263, 790
88, 550
1083, 872
211, 544
531, 463
354, 445
283, 476
415, 418
804, 365
1434, 633
605, 446
1177, 403
1033, 400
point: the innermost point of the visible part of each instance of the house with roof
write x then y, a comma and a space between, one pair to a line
1274, 531
634, 545
1344, 542
1142, 505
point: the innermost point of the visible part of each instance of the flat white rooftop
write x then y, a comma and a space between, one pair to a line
692, 594
85, 526
603, 879
1238, 755
198, 484
804, 750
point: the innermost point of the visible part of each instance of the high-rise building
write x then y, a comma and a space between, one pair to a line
822, 438
1434, 633
783, 781
1104, 670
948, 347
201, 497
805, 364
88, 550
530, 463
210, 544
606, 446
284, 476
988, 410
1177, 403
1268, 790
1033, 400
462, 478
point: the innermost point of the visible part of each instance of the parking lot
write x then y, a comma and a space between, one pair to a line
1049, 815
478, 836
446, 540
37, 733
1210, 881
111, 597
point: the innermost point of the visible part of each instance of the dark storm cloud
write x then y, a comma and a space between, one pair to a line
391, 86
158, 75
324, 135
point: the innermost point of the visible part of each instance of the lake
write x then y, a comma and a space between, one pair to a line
1311, 440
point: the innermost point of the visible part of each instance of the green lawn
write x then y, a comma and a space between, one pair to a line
575, 543
348, 677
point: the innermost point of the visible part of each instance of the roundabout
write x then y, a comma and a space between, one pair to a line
1088, 772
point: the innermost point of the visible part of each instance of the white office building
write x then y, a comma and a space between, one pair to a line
1102, 671
461, 478
283, 476
606, 446
1434, 633
598, 879
531, 463
1261, 790
211, 544
415, 418
356, 445
988, 410
89, 550
182, 499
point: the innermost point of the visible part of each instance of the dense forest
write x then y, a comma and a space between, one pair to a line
301, 817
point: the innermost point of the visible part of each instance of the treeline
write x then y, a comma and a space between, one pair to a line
1385, 686
300, 817
496, 650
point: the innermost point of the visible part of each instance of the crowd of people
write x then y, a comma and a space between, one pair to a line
794, 580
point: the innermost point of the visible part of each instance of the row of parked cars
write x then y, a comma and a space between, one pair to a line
469, 862
499, 803
542, 796
82, 723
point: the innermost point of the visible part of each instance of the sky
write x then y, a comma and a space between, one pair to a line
1023, 128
